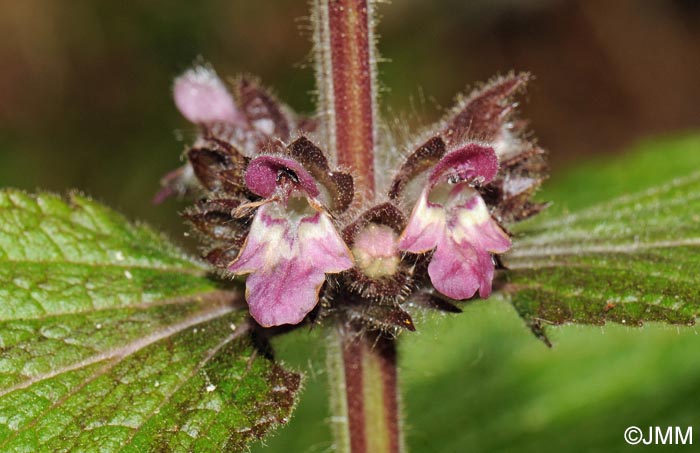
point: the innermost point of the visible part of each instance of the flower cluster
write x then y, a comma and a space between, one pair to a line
273, 207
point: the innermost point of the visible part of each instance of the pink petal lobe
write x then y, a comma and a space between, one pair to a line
320, 244
287, 260
284, 294
264, 244
377, 241
202, 98
454, 269
472, 222
462, 262
425, 227
262, 175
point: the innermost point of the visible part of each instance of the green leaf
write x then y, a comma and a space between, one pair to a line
629, 259
111, 339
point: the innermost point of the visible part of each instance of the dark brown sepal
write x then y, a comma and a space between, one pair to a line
218, 171
483, 114
435, 302
384, 214
216, 220
339, 184
382, 316
396, 287
508, 195
261, 108
234, 154
422, 159
221, 257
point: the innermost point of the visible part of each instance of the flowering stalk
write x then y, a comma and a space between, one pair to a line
363, 381
319, 238
363, 367
345, 76
369, 364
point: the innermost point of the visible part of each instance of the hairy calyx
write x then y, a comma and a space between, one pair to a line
274, 208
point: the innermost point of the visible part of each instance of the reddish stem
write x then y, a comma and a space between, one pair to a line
369, 368
345, 49
352, 365
362, 367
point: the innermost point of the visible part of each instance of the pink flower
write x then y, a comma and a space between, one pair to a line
375, 251
202, 98
452, 218
291, 246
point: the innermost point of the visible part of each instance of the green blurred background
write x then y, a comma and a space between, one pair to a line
85, 103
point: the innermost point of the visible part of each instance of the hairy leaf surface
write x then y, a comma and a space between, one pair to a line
631, 258
111, 339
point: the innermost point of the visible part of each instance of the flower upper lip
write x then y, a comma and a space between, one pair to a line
265, 174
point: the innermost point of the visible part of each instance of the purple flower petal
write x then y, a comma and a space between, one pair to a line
288, 259
471, 162
473, 223
375, 250
259, 250
263, 174
426, 227
454, 220
462, 263
455, 270
320, 243
202, 98
284, 294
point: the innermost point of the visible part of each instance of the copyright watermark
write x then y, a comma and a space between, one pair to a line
659, 435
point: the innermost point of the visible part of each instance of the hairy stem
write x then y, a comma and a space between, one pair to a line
338, 401
362, 368
345, 72
363, 378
